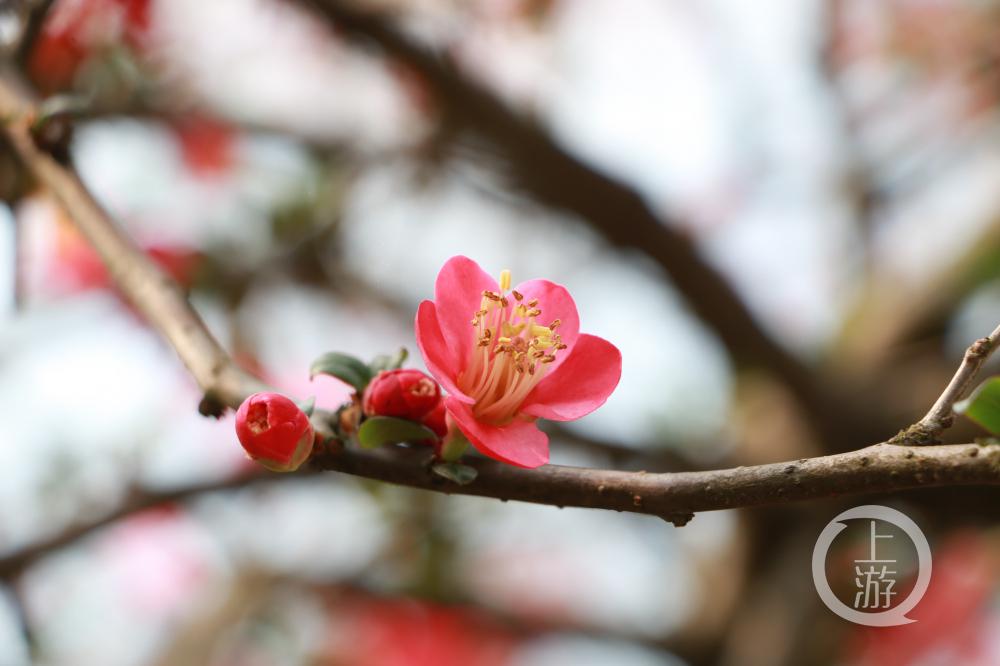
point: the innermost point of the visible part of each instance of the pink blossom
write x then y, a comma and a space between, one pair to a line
509, 356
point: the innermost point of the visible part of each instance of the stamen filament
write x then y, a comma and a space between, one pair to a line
510, 355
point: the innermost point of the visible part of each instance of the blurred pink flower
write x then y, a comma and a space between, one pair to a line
158, 559
387, 632
509, 356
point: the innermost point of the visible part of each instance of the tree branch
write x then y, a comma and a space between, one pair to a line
676, 496
32, 23
159, 298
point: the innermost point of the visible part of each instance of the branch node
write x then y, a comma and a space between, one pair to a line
678, 518
211, 405
920, 434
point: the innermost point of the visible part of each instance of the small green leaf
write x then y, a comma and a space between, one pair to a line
388, 362
379, 430
344, 367
983, 406
457, 472
307, 406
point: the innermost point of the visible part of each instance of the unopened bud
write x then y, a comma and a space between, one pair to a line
404, 393
274, 431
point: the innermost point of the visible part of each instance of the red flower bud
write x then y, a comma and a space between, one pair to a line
436, 420
405, 394
274, 431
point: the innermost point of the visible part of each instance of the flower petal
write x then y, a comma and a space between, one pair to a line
458, 293
581, 385
436, 352
555, 303
520, 443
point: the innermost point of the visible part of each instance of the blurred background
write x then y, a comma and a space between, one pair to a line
834, 162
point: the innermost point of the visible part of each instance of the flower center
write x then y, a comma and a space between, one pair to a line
511, 354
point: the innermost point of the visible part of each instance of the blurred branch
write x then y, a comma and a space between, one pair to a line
674, 497
21, 616
160, 299
12, 564
558, 179
34, 21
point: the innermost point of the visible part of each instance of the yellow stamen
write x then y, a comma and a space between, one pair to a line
511, 353
505, 281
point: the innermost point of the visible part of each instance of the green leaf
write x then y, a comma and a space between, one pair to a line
983, 406
388, 362
379, 430
307, 406
457, 472
344, 367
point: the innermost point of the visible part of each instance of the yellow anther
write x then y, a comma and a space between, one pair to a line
504, 280
542, 332
534, 313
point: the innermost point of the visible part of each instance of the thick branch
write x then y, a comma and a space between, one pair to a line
556, 178
881, 468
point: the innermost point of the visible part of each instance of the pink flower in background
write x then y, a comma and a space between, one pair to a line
509, 356
403, 632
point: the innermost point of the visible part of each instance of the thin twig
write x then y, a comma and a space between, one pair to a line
942, 414
13, 563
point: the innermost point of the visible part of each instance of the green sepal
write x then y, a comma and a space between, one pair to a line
379, 430
344, 367
384, 362
457, 472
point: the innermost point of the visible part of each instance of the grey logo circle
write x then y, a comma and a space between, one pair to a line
888, 618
